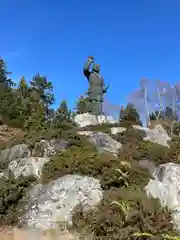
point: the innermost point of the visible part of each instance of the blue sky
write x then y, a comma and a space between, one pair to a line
130, 39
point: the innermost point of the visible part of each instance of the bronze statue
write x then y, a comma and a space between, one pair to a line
96, 87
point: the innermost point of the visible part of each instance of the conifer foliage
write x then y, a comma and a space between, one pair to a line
130, 115
29, 106
82, 105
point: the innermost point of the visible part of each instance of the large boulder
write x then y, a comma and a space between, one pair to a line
166, 187
156, 135
16, 152
30, 166
20, 161
147, 165
102, 141
52, 203
86, 119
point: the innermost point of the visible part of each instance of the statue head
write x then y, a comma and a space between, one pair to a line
96, 68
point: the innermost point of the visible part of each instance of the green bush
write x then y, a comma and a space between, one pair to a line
153, 152
11, 198
174, 151
131, 137
135, 148
176, 128
122, 213
82, 158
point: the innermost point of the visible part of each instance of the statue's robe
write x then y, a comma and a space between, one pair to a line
95, 91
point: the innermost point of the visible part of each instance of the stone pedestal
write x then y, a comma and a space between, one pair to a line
87, 119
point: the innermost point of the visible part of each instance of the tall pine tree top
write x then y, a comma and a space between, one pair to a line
44, 89
23, 88
5, 81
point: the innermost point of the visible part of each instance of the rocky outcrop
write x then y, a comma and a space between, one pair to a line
16, 152
103, 142
156, 135
30, 166
49, 204
86, 119
165, 186
116, 130
55, 202
46, 148
20, 160
147, 165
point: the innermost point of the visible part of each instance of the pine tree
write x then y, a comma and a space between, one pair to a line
5, 81
23, 97
6, 94
42, 90
21, 100
63, 110
63, 116
45, 89
82, 105
129, 115
36, 121
23, 89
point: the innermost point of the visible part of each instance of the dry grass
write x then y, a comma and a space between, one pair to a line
166, 123
9, 134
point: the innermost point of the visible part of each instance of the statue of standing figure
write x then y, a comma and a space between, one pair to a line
96, 87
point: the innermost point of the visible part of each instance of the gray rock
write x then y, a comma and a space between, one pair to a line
52, 203
17, 151
20, 162
145, 129
27, 166
103, 141
156, 135
147, 165
46, 148
165, 186
115, 130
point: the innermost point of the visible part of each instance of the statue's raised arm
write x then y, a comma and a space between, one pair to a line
87, 65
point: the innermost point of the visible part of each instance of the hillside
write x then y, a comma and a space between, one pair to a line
106, 179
